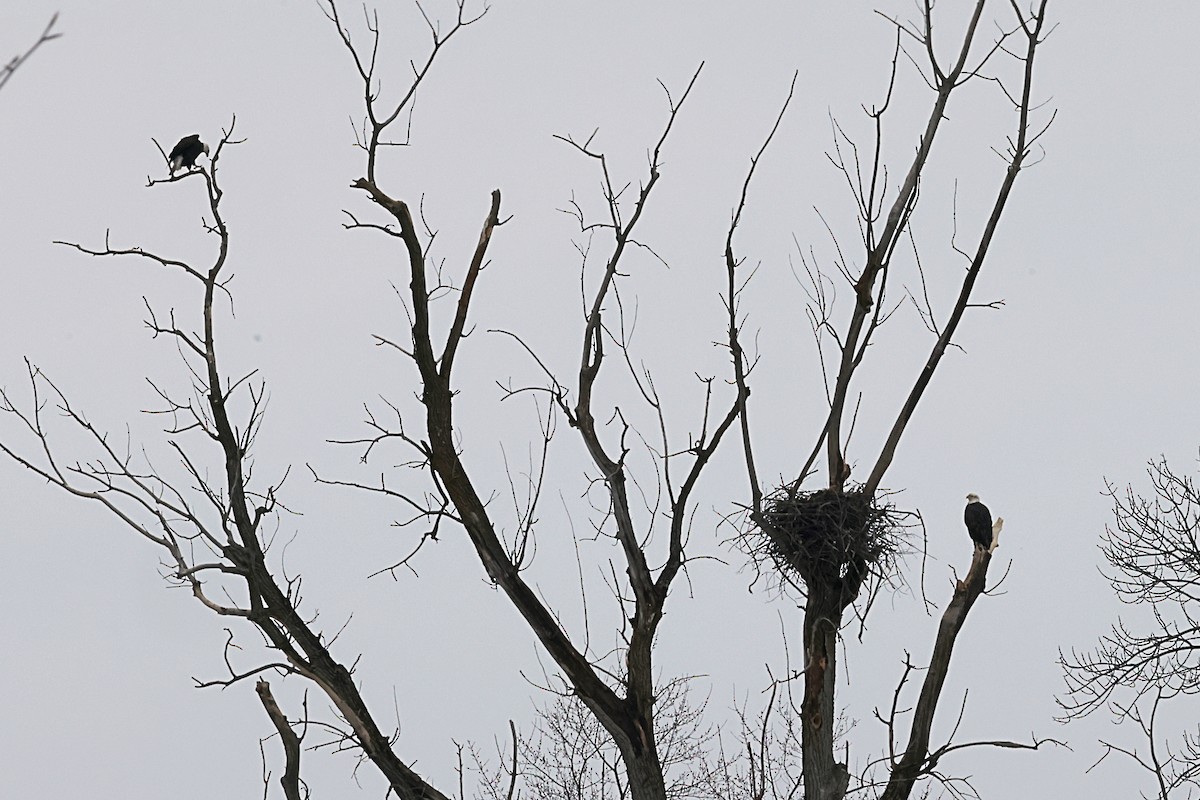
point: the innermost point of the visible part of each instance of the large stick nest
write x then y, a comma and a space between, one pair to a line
831, 540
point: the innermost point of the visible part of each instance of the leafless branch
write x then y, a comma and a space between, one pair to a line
1153, 552
290, 780
15, 62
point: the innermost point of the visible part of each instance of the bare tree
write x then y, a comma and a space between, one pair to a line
635, 733
210, 529
16, 61
838, 544
1139, 670
569, 754
623, 706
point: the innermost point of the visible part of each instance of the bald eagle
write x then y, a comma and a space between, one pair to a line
185, 153
979, 521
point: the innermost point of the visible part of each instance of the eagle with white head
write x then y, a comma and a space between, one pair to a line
979, 523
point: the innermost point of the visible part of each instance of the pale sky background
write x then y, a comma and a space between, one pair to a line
1087, 372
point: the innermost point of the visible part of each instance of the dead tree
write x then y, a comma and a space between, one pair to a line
209, 524
1141, 669
624, 706
838, 544
209, 529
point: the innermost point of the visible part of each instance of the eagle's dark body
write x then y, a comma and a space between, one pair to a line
184, 154
979, 522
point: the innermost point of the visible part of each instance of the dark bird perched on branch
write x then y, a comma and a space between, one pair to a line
185, 153
979, 521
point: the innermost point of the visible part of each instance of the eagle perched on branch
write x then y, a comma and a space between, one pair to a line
979, 522
184, 154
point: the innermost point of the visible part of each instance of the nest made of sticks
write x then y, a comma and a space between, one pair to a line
831, 539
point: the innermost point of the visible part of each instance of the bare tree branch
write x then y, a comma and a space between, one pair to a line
1032, 26
290, 780
7, 71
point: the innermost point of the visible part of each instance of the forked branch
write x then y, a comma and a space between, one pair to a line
7, 71
1032, 27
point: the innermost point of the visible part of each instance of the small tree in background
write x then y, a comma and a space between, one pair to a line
1146, 670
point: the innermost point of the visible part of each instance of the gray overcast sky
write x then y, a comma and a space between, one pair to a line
1086, 372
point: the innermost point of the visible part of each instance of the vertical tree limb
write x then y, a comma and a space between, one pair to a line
290, 780
915, 762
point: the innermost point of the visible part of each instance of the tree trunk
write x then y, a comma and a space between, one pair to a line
824, 779
645, 776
